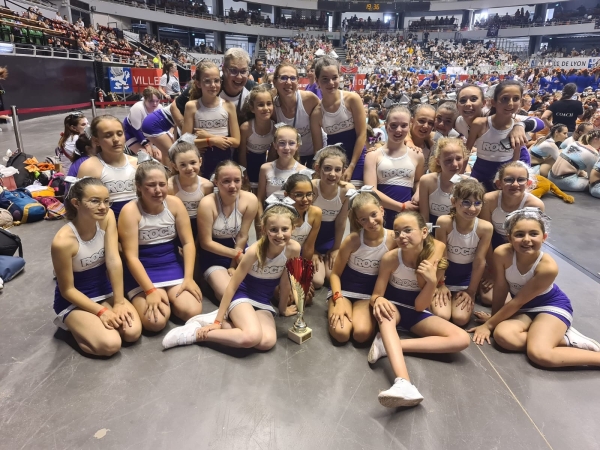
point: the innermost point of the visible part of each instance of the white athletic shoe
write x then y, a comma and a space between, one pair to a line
1, 283
185, 335
402, 393
377, 350
574, 338
204, 319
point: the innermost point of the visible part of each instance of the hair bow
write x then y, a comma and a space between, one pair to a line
352, 193
280, 124
88, 132
338, 145
308, 172
277, 200
528, 211
73, 180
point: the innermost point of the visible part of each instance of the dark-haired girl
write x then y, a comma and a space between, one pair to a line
545, 151
75, 124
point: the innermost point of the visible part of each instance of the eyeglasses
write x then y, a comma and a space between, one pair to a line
96, 202
234, 72
285, 78
284, 144
404, 232
299, 196
467, 204
520, 181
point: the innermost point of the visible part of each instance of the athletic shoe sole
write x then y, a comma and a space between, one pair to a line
584, 338
390, 401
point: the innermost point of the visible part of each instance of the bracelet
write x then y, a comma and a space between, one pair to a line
102, 311
336, 296
239, 253
519, 124
208, 142
442, 282
403, 207
380, 296
216, 322
150, 291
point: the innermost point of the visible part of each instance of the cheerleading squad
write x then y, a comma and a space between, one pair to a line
137, 238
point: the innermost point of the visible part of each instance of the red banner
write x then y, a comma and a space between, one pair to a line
348, 69
302, 83
143, 78
360, 80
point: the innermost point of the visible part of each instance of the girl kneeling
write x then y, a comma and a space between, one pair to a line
88, 299
245, 316
403, 292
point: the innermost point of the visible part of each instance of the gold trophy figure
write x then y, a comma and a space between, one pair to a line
301, 274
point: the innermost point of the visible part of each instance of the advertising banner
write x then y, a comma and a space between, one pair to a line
120, 79
566, 63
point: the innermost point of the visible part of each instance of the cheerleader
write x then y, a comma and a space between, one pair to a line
404, 290
294, 108
538, 318
571, 171
513, 182
356, 267
342, 116
257, 133
467, 241
134, 137
149, 230
187, 184
488, 135
435, 188
544, 152
224, 220
89, 274
217, 117
157, 128
331, 198
445, 118
273, 175
245, 318
393, 168
75, 125
421, 127
111, 165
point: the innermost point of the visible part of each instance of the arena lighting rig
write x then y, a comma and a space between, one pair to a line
372, 6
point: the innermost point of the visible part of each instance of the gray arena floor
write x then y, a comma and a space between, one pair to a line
314, 396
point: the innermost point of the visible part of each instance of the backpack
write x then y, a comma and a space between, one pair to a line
24, 177
10, 243
22, 206
57, 182
54, 208
6, 219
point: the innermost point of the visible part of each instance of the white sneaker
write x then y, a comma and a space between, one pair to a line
377, 350
204, 319
402, 393
574, 338
185, 335
1, 283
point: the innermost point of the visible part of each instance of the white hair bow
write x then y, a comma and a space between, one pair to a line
352, 193
338, 145
278, 200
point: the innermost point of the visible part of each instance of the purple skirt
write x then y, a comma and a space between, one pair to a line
208, 259
325, 238
397, 193
356, 285
211, 159
405, 302
458, 276
556, 303
254, 161
92, 283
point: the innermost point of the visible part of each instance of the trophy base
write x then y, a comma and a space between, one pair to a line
299, 338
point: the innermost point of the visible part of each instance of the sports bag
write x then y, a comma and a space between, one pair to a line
22, 206
24, 177
10, 243
54, 208
57, 182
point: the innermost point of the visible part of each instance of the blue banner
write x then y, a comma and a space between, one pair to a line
120, 80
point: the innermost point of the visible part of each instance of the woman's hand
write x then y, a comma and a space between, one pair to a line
408, 206
428, 270
481, 334
110, 320
309, 295
517, 137
486, 282
337, 315
441, 296
383, 309
290, 310
466, 300
191, 287
316, 259
220, 142
330, 258
202, 333
347, 175
230, 271
482, 316
153, 301
124, 315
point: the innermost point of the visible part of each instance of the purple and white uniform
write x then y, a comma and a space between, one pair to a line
461, 254
257, 146
395, 178
120, 182
552, 301
214, 121
330, 208
132, 124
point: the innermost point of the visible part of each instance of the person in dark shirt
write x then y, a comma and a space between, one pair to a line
566, 110
259, 72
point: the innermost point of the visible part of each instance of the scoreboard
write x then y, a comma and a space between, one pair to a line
369, 6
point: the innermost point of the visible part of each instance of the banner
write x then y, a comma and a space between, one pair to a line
120, 79
348, 69
302, 83
217, 59
566, 63
360, 81
143, 78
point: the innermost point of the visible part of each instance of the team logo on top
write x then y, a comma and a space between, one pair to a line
347, 124
436, 207
273, 270
258, 148
191, 206
402, 173
115, 187
464, 251
276, 181
157, 233
515, 287
329, 212
404, 283
226, 232
495, 147
366, 263
215, 123
86, 262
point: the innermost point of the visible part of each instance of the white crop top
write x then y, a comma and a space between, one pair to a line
462, 247
367, 259
190, 199
90, 253
156, 228
399, 171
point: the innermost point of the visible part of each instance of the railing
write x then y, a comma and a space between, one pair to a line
51, 52
551, 23
417, 25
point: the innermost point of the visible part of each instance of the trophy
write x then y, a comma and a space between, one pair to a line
301, 274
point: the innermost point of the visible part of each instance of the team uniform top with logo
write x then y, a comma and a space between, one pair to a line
214, 121
301, 122
461, 250
439, 202
498, 218
257, 146
360, 274
395, 178
330, 210
132, 124
171, 84
120, 182
89, 274
552, 301
258, 286
158, 251
300, 234
276, 178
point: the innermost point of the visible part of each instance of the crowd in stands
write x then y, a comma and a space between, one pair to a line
434, 24
360, 24
523, 18
299, 51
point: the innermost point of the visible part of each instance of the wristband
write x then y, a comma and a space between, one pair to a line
216, 322
336, 296
441, 283
519, 124
102, 311
239, 253
208, 142
379, 296
403, 207
150, 291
